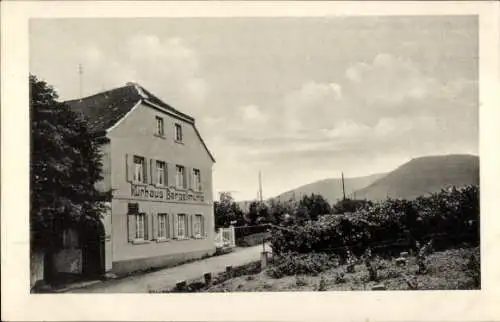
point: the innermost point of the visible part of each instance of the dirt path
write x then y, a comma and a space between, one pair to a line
167, 278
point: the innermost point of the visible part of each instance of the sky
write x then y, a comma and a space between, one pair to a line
299, 99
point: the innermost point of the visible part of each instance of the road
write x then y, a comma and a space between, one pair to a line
167, 278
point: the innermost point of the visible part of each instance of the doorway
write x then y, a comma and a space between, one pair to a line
93, 239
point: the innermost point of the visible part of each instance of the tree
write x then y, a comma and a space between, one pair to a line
350, 205
65, 165
315, 206
281, 211
253, 213
227, 211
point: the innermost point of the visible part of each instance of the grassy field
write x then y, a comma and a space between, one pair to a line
447, 270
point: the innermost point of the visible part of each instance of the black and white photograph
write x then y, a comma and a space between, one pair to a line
242, 154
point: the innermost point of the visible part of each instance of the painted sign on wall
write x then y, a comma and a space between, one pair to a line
166, 194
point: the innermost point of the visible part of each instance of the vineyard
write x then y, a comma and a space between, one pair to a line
430, 243
448, 218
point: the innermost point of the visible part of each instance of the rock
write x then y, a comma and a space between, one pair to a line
379, 287
404, 254
181, 286
401, 261
110, 276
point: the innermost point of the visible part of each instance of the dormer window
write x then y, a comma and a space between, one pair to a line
160, 129
178, 132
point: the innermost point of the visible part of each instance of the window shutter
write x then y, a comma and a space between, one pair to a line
155, 226
131, 227
152, 171
146, 171
201, 181
202, 223
129, 164
148, 227
175, 221
170, 226
171, 171
189, 174
189, 219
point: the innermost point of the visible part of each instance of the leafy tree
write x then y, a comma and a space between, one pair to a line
253, 213
281, 212
227, 211
65, 165
350, 205
315, 206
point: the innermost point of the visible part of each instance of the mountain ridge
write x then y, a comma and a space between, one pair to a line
424, 175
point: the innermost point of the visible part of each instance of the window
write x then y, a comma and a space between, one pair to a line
182, 226
160, 173
199, 229
159, 126
139, 169
162, 226
140, 226
196, 180
180, 177
178, 132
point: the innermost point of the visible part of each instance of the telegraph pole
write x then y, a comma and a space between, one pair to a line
80, 79
260, 187
343, 187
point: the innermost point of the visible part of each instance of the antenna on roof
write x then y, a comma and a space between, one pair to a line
80, 79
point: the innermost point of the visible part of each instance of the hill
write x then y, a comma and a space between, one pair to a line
424, 175
331, 189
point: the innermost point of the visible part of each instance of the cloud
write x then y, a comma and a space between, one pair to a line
168, 67
310, 106
253, 114
388, 81
385, 107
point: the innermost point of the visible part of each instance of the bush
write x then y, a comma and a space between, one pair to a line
449, 217
297, 264
252, 240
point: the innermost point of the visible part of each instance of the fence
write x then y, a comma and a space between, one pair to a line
225, 237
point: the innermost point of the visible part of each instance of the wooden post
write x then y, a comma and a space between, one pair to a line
263, 260
229, 271
208, 279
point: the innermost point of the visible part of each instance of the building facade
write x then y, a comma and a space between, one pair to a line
159, 171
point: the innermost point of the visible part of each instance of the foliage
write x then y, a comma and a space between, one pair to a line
350, 205
65, 165
449, 217
322, 284
296, 264
313, 206
473, 270
226, 211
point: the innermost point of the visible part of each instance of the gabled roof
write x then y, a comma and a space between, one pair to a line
104, 110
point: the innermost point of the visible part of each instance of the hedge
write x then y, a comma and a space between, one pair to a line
449, 217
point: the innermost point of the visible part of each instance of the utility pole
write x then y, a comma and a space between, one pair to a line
80, 79
343, 187
260, 186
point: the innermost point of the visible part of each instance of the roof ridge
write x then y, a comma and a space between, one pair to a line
165, 105
97, 94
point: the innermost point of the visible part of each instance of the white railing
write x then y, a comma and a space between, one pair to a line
224, 237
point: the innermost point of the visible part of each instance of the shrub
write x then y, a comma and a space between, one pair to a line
300, 281
297, 264
322, 284
252, 240
340, 278
473, 270
449, 217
